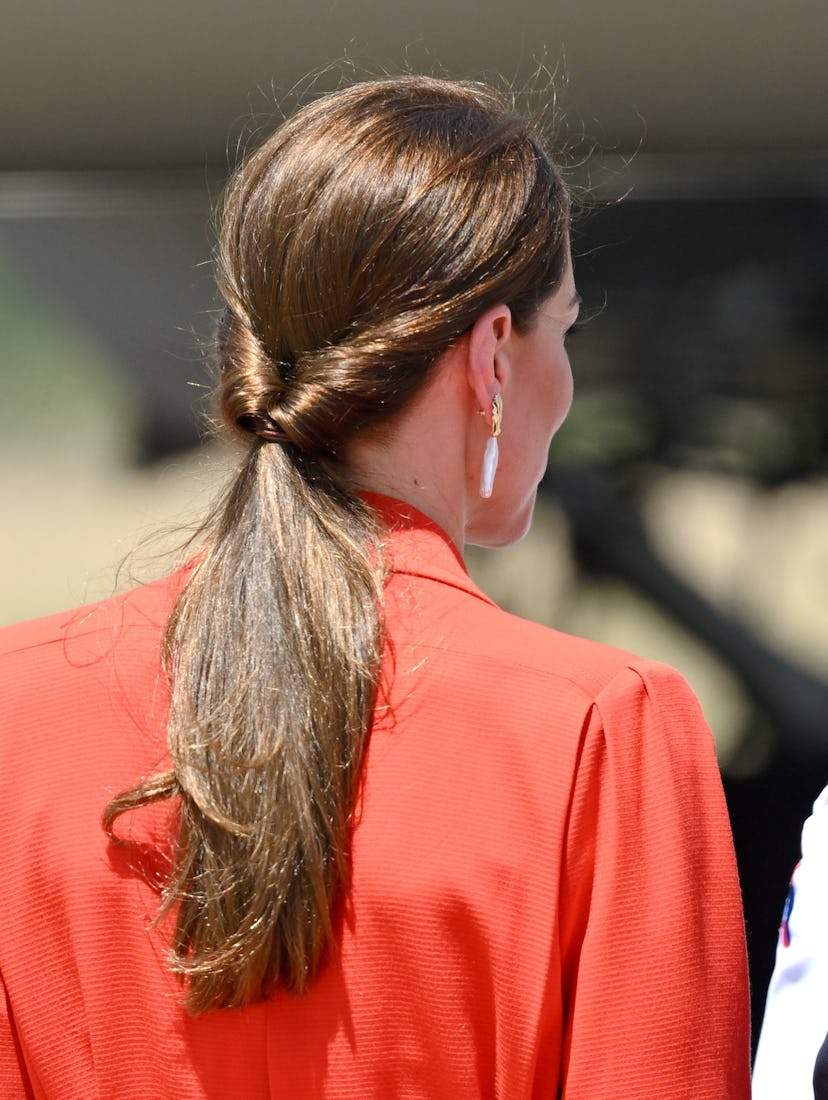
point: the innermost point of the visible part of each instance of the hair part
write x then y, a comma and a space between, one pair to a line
361, 240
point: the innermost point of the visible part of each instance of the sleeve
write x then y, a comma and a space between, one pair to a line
13, 1078
653, 953
796, 1013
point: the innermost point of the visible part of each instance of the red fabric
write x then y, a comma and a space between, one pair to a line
544, 894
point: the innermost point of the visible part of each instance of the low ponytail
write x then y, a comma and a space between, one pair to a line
362, 239
274, 655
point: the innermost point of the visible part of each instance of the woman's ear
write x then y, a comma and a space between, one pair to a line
488, 363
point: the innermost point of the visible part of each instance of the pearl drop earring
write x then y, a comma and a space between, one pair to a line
491, 453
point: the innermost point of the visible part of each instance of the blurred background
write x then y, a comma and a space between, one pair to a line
684, 515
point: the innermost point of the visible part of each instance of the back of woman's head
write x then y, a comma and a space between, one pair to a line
367, 234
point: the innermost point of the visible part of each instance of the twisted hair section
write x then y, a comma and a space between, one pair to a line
361, 240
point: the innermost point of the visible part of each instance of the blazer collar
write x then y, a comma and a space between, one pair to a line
415, 545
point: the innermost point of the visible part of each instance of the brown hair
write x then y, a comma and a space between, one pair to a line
365, 236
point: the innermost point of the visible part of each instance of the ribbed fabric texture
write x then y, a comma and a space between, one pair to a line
544, 897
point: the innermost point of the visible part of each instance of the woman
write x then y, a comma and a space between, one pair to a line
407, 845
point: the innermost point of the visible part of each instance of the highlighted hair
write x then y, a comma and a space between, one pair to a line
357, 243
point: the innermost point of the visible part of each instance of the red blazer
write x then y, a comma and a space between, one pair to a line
544, 896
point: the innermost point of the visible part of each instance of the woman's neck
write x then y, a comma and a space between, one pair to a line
421, 459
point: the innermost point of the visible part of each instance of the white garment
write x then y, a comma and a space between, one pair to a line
796, 1012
